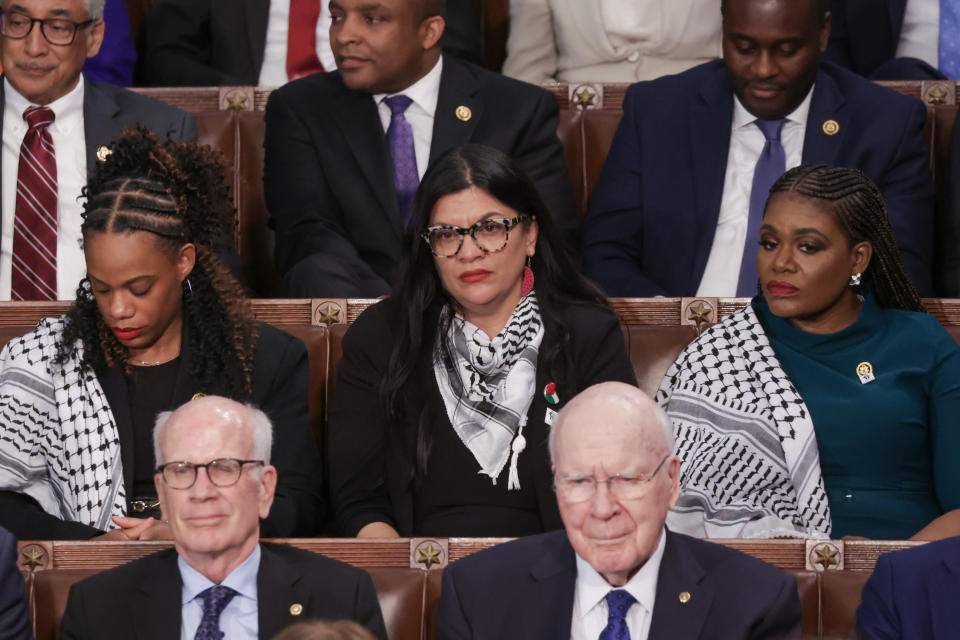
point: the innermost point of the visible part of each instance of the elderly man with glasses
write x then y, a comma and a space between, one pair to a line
215, 482
615, 572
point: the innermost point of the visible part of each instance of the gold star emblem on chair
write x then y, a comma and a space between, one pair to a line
33, 556
585, 97
428, 555
236, 101
328, 314
826, 556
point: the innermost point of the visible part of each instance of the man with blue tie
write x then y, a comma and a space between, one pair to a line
680, 198
215, 482
615, 572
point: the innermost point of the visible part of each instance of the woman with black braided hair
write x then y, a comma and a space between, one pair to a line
157, 319
828, 406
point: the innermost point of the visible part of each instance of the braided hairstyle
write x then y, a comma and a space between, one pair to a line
857, 204
176, 191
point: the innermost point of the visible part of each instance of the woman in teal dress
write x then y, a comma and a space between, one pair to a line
830, 406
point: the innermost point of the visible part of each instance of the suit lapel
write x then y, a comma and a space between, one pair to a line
712, 117
100, 124
157, 609
186, 384
114, 385
256, 13
825, 105
277, 592
548, 605
458, 88
679, 573
943, 591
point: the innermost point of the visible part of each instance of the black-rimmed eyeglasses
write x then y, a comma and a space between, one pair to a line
223, 472
56, 31
575, 489
490, 235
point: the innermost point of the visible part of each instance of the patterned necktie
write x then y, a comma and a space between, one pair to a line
402, 152
771, 164
302, 57
618, 602
950, 38
34, 266
214, 600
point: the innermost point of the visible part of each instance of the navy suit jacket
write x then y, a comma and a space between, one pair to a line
912, 594
525, 589
654, 212
14, 623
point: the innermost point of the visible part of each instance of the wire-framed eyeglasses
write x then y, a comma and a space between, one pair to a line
56, 31
222, 472
490, 235
574, 489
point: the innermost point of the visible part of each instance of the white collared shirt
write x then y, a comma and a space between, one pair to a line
69, 143
238, 620
590, 615
920, 33
273, 70
424, 92
746, 144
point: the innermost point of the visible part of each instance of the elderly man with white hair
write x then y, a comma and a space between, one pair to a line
615, 572
215, 483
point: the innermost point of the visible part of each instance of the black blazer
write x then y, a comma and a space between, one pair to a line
14, 622
328, 177
220, 42
525, 589
142, 599
280, 388
370, 483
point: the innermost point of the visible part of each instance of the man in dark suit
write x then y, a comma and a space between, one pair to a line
215, 482
221, 42
672, 212
615, 571
14, 623
912, 594
341, 166
43, 49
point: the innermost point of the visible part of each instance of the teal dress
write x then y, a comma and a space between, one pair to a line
889, 449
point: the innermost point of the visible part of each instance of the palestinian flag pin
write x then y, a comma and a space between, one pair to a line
550, 393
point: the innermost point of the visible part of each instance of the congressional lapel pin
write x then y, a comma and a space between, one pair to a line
464, 113
103, 152
550, 416
296, 609
865, 373
684, 597
831, 127
550, 394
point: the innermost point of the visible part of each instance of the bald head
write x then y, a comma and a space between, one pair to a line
247, 421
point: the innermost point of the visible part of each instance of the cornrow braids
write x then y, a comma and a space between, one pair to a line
176, 191
857, 204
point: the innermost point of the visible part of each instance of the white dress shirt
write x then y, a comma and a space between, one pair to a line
273, 70
590, 613
424, 93
238, 620
920, 33
69, 143
746, 144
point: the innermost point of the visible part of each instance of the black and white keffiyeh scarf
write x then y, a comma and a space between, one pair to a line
751, 467
488, 385
58, 439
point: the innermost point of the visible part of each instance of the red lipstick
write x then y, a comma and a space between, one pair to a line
475, 276
781, 289
123, 333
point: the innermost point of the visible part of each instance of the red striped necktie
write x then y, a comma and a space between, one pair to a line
302, 57
34, 273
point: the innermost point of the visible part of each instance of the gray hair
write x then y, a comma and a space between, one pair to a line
95, 8
257, 420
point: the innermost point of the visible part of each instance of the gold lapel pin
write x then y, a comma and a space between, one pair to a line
296, 609
464, 113
831, 127
103, 151
865, 373
684, 597
198, 394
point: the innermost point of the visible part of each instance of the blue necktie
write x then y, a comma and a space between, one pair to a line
402, 152
618, 602
950, 39
771, 164
214, 600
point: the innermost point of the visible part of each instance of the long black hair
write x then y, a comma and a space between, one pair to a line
176, 191
858, 206
420, 297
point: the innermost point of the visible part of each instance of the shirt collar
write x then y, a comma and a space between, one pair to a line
424, 92
243, 579
743, 118
67, 109
592, 588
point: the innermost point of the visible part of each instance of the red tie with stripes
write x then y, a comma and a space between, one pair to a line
34, 275
302, 57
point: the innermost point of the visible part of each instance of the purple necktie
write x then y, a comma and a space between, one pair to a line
214, 600
400, 138
618, 602
949, 44
771, 164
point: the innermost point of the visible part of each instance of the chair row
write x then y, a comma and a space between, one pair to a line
231, 120
406, 573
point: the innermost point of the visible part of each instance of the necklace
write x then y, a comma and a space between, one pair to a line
144, 363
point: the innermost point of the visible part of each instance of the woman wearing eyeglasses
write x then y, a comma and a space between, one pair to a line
439, 422
157, 320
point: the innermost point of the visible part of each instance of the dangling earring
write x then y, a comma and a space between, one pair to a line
527, 285
187, 287
855, 279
